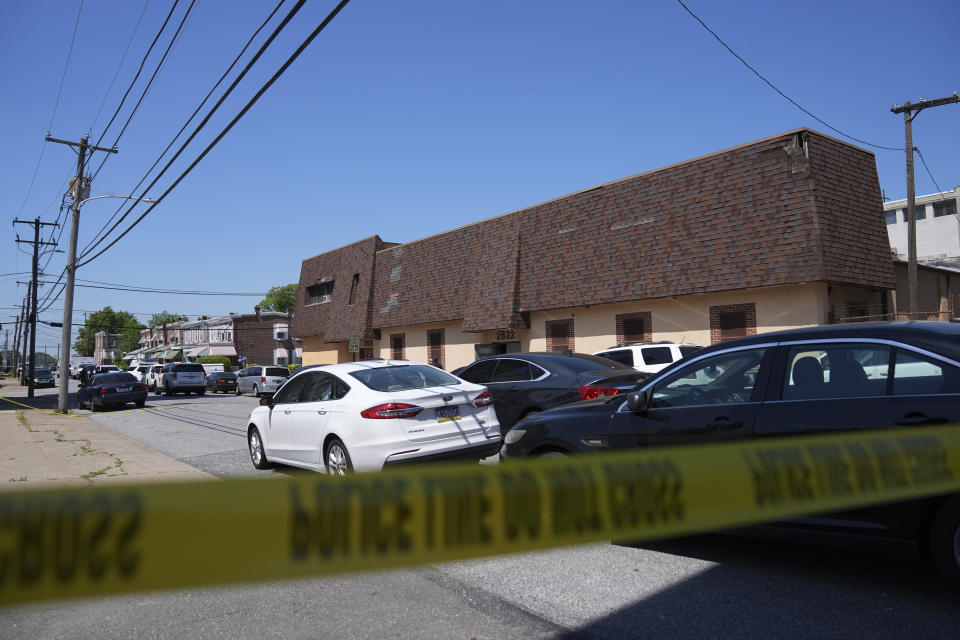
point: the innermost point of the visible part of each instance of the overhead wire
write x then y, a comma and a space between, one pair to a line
185, 124
56, 106
777, 89
116, 74
121, 287
143, 94
232, 123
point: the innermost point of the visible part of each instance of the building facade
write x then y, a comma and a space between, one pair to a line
264, 338
938, 227
778, 233
106, 347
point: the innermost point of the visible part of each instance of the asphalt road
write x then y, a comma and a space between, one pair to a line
705, 586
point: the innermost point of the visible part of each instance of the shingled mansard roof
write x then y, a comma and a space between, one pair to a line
793, 208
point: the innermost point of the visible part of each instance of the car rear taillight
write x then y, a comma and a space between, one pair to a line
143, 387
590, 392
102, 390
391, 410
483, 400
263, 379
173, 376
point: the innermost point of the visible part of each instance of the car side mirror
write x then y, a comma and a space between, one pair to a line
638, 401
266, 401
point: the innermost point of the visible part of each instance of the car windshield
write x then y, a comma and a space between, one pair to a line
189, 368
283, 372
404, 377
39, 370
226, 375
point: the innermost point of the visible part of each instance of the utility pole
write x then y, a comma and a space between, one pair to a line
33, 292
81, 187
911, 111
23, 340
6, 347
16, 340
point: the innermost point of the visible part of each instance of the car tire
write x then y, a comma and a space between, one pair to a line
945, 542
258, 456
167, 390
237, 392
256, 393
201, 392
553, 455
94, 406
336, 459
140, 403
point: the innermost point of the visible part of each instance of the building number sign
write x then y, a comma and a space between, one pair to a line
506, 334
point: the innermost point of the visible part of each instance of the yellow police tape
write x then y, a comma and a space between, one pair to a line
93, 541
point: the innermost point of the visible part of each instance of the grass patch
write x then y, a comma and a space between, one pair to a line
20, 479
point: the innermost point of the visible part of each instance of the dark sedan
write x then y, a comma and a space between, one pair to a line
222, 381
526, 383
43, 377
828, 379
111, 389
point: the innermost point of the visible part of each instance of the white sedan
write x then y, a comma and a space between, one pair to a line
362, 416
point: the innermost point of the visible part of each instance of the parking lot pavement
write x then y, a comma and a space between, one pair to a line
44, 448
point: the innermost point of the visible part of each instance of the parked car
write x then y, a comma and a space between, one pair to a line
259, 379
140, 372
43, 377
111, 389
85, 372
526, 383
225, 381
648, 357
182, 377
106, 368
364, 416
818, 380
153, 376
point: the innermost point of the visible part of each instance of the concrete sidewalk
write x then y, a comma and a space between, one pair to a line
44, 448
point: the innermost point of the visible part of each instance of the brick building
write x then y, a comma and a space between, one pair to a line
778, 233
264, 338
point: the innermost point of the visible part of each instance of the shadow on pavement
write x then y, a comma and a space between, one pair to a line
770, 589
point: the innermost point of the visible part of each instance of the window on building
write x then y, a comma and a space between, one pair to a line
280, 332
559, 335
353, 287
322, 292
891, 216
944, 208
921, 212
435, 344
633, 327
732, 321
397, 346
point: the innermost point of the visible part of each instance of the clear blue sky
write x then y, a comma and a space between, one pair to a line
404, 119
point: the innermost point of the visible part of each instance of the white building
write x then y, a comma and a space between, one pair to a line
938, 227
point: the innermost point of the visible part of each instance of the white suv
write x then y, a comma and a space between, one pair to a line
648, 357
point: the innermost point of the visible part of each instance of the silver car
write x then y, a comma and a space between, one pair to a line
259, 379
182, 377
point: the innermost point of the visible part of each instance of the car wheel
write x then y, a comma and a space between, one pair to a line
167, 390
201, 392
945, 542
338, 460
237, 392
554, 455
94, 406
256, 393
140, 403
257, 455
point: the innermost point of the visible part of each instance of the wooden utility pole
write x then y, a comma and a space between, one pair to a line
911, 111
33, 293
81, 186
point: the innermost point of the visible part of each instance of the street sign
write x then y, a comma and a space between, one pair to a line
354, 346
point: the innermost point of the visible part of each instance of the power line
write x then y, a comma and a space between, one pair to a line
233, 122
146, 89
775, 88
56, 106
939, 190
143, 62
121, 287
119, 65
96, 236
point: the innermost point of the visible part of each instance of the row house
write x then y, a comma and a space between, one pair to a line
105, 347
783, 232
263, 337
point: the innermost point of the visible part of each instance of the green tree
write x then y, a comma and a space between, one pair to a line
116, 322
282, 298
157, 319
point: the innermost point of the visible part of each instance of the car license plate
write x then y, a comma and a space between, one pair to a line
445, 414
123, 389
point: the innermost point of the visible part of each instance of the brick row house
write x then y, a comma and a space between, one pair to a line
782, 232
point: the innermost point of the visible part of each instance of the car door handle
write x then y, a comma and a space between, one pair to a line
286, 411
723, 423
514, 389
914, 418
322, 412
